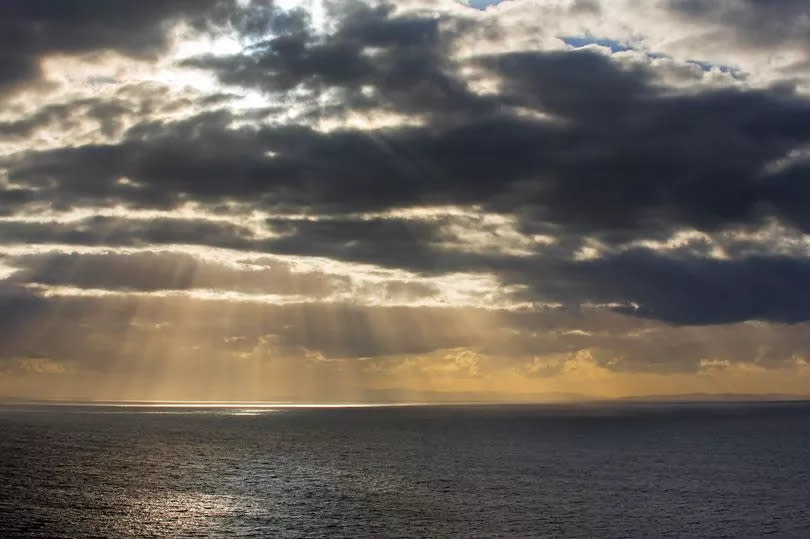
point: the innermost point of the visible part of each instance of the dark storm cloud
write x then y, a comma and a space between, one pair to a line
576, 85
65, 116
635, 155
635, 158
12, 199
397, 243
32, 29
623, 153
682, 286
681, 289
374, 60
390, 242
17, 306
617, 158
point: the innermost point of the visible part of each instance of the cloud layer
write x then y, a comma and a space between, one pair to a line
419, 195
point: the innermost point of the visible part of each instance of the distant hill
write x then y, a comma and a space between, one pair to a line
449, 397
717, 397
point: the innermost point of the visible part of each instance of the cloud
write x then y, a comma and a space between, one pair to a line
680, 289
670, 161
33, 30
374, 60
168, 337
534, 188
155, 271
752, 22
127, 231
625, 163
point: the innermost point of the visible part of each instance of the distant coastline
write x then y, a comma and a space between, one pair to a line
717, 397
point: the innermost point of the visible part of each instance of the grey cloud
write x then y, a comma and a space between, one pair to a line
683, 286
688, 160
579, 85
116, 333
159, 271
755, 22
17, 305
389, 242
121, 231
33, 29
620, 159
64, 116
399, 290
682, 289
334, 330
405, 60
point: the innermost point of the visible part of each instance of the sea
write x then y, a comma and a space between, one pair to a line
569, 470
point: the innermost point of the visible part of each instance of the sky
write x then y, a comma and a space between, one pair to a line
349, 200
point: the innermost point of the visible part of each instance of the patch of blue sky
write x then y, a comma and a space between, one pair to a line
583, 41
482, 4
616, 46
735, 72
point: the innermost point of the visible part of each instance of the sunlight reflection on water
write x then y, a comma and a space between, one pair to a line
253, 411
521, 471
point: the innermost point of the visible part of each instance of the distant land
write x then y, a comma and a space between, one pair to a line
711, 397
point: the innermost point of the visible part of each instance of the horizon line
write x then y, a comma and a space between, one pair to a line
160, 403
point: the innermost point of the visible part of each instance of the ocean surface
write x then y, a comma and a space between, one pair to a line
597, 470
